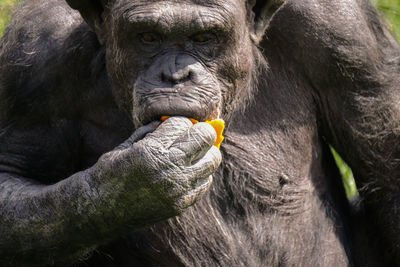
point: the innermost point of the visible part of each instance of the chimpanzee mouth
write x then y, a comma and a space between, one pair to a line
156, 116
155, 112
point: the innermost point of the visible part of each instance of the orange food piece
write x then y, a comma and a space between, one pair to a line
163, 118
218, 125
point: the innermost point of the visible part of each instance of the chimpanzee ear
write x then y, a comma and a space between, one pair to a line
92, 12
261, 12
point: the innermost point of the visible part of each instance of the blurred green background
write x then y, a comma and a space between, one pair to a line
390, 10
6, 8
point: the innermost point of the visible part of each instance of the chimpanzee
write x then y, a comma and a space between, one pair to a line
91, 177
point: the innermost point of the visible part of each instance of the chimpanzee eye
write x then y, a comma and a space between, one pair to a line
150, 38
203, 38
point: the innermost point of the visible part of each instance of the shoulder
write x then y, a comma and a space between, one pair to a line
39, 24
331, 41
45, 55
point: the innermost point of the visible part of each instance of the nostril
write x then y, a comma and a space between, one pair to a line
164, 78
190, 75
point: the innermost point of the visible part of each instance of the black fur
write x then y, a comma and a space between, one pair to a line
325, 72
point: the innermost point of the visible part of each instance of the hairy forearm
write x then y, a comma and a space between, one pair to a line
48, 222
66, 220
138, 183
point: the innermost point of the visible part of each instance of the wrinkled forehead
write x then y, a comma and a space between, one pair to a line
209, 3
225, 7
181, 14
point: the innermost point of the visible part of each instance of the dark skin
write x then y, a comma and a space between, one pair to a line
90, 176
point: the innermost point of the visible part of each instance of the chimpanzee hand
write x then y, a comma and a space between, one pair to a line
163, 173
154, 175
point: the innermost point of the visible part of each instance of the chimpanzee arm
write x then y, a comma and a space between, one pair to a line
135, 184
352, 64
148, 178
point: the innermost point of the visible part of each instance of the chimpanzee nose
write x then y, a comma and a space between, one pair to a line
177, 68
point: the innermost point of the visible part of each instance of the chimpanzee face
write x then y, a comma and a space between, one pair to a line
188, 58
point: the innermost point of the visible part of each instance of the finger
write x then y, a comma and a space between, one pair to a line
195, 194
139, 134
144, 130
170, 130
195, 143
205, 166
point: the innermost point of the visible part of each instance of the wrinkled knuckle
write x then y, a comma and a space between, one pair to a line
147, 146
177, 156
143, 154
206, 132
140, 149
178, 120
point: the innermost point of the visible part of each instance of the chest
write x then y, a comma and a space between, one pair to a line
103, 124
